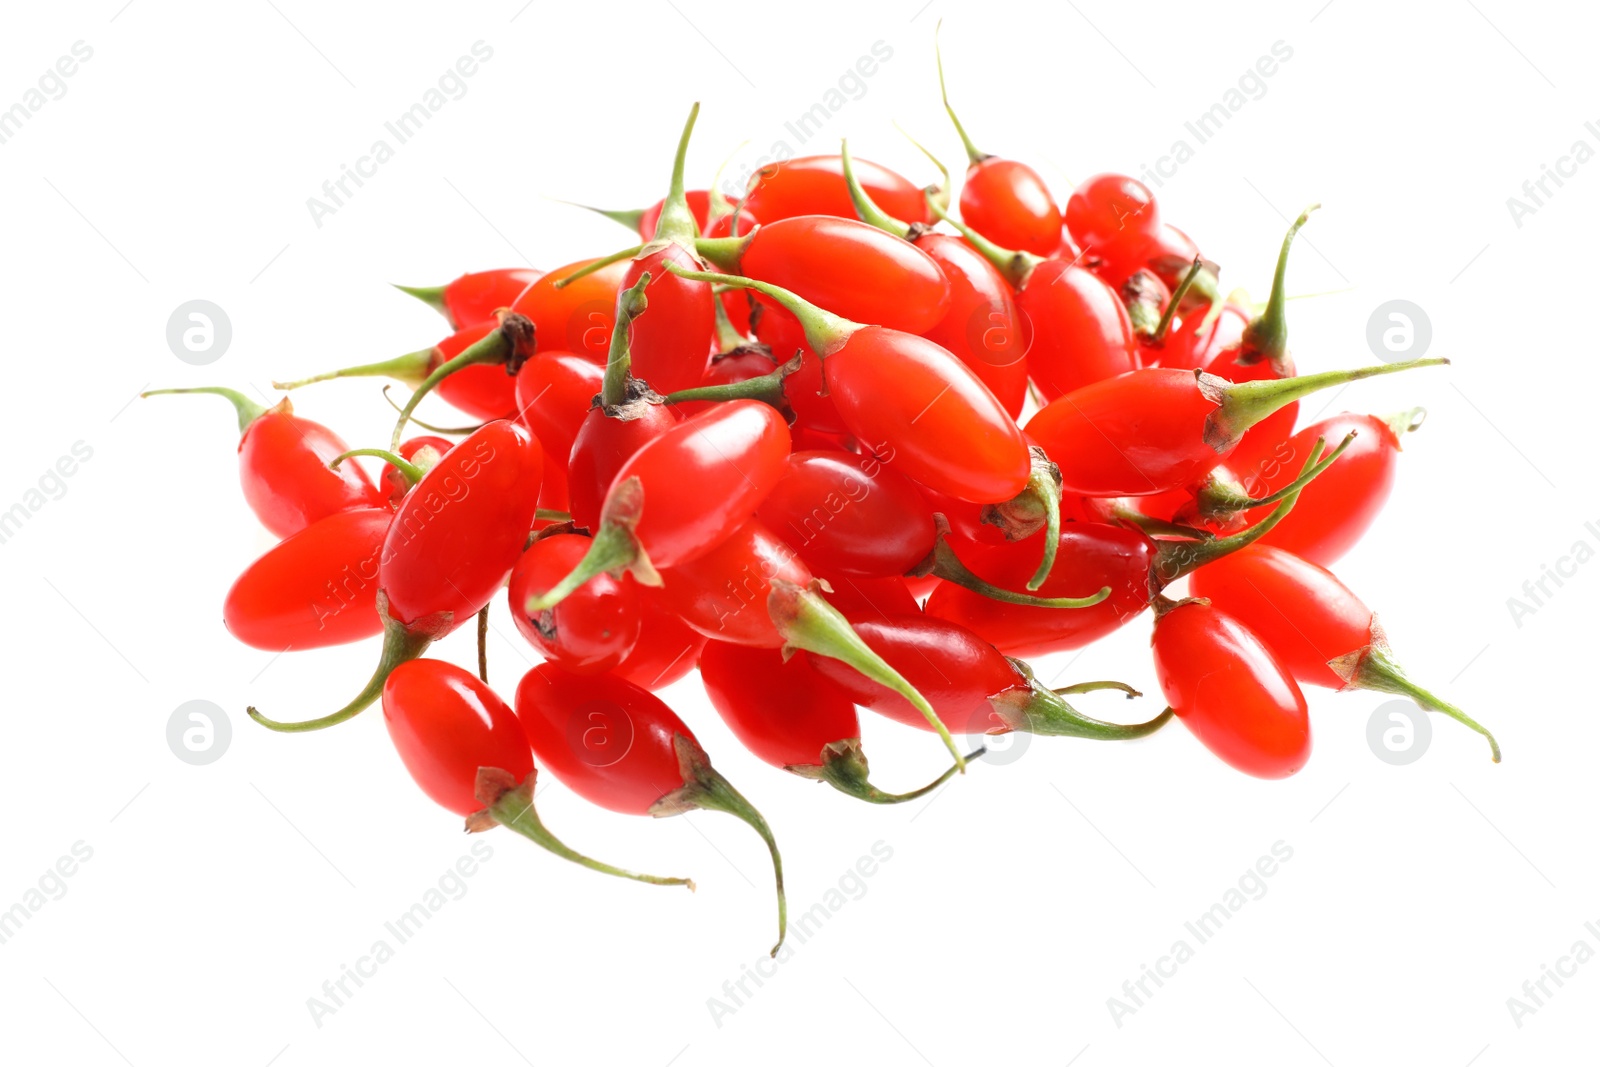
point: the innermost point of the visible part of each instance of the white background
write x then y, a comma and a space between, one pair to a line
220, 898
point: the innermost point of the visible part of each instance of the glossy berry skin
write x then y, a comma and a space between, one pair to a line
606, 739
1077, 329
667, 648
577, 318
460, 530
671, 342
554, 392
815, 185
702, 479
1169, 254
947, 430
849, 514
699, 201
315, 588
1090, 557
590, 631
780, 331
1298, 609
484, 391
476, 297
1334, 511
981, 327
954, 668
1231, 691
284, 472
866, 598
446, 724
1135, 435
1007, 202
603, 443
1110, 212
1263, 439
784, 713
739, 365
851, 269
723, 593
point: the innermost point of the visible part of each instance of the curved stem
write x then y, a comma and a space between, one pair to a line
810, 623
1267, 335
704, 787
249, 411
948, 566
1079, 688
399, 646
412, 472
1015, 266
1223, 501
1243, 404
1174, 559
613, 549
483, 645
966, 142
413, 420
600, 264
1178, 294
1379, 673
866, 210
844, 766
939, 194
514, 810
493, 347
619, 361
767, 388
1158, 527
1044, 484
1037, 710
676, 222
728, 338
412, 367
432, 295
826, 332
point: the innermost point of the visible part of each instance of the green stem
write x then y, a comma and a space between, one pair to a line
939, 194
613, 549
810, 623
412, 472
399, 646
1177, 298
869, 212
514, 810
1174, 559
1037, 710
1015, 266
844, 766
724, 253
676, 222
600, 264
1267, 335
483, 645
432, 295
1044, 491
1379, 673
1243, 404
767, 388
966, 142
430, 427
631, 303
493, 347
249, 411
728, 338
948, 566
1218, 498
412, 367
550, 515
704, 787
630, 219
826, 332
1079, 688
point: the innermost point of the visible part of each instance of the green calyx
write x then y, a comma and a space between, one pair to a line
704, 788
1037, 507
401, 643
676, 222
1174, 559
411, 368
826, 332
767, 388
631, 218
432, 295
866, 210
1240, 405
1404, 422
810, 624
248, 410
844, 766
1034, 709
631, 303
1267, 335
1015, 266
1375, 670
510, 805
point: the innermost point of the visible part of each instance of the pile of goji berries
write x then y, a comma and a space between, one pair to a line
837, 458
